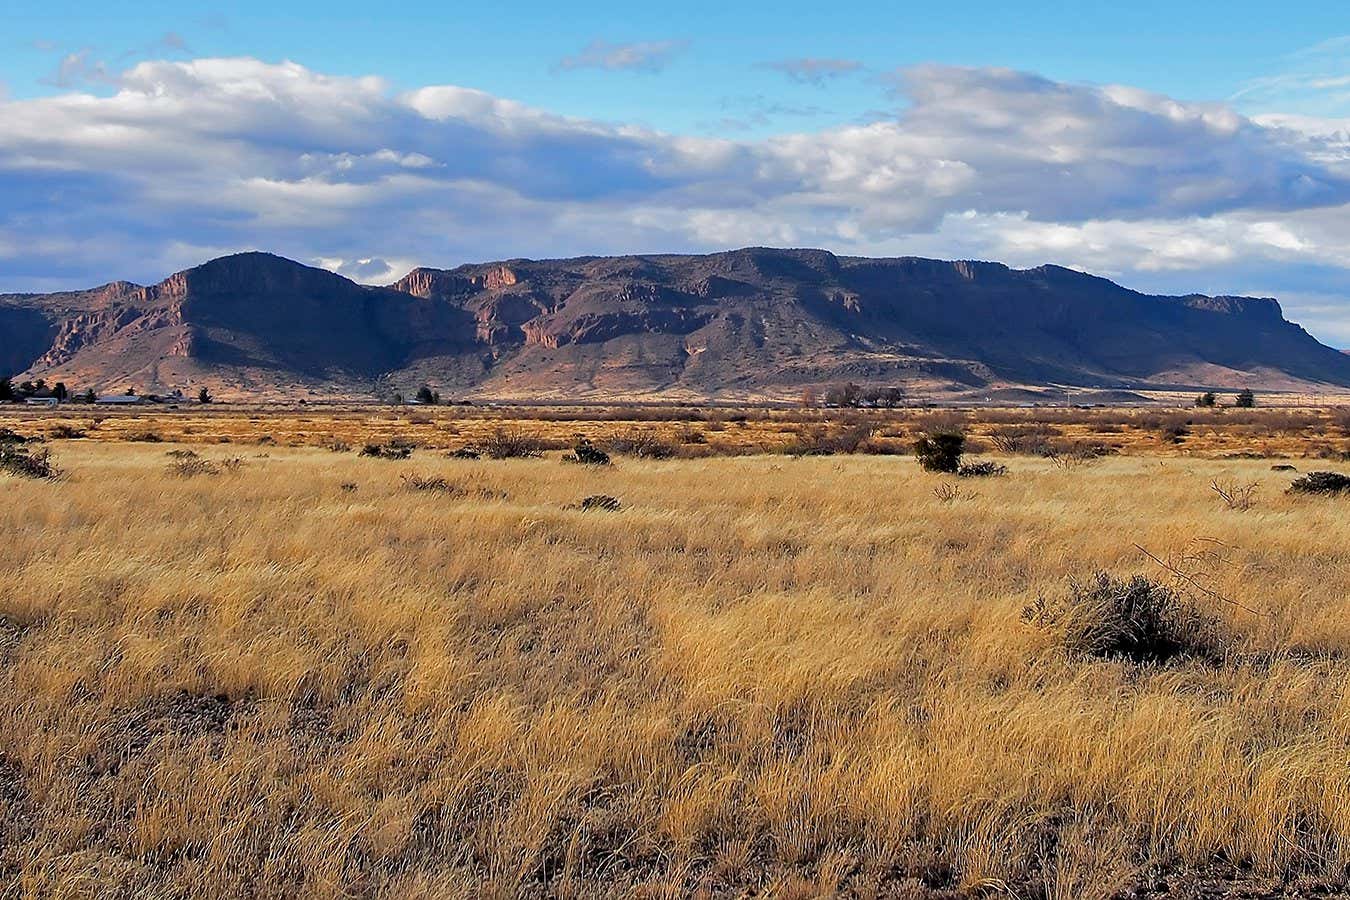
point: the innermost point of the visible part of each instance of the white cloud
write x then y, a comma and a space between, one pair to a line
234, 153
642, 56
814, 70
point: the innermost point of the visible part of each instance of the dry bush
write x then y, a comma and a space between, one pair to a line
144, 437
587, 454
182, 453
642, 443
390, 450
1321, 483
602, 502
432, 483
820, 440
192, 466
1235, 495
983, 469
1033, 440
511, 443
1136, 619
24, 463
65, 432
949, 492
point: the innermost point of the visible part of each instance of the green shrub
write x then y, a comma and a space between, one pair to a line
940, 451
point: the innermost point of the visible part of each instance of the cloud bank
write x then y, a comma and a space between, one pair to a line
187, 159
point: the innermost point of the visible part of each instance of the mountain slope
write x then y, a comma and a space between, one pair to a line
752, 322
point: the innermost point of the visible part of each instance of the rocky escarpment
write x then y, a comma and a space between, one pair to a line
752, 322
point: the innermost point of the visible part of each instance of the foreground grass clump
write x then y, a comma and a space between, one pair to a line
18, 460
765, 676
1135, 619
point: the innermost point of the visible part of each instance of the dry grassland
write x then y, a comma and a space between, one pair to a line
298, 676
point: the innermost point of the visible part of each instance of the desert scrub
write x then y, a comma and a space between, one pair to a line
642, 443
391, 450
940, 451
1137, 619
601, 502
21, 462
1321, 483
983, 469
587, 454
511, 443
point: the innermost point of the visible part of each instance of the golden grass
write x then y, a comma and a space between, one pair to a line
798, 676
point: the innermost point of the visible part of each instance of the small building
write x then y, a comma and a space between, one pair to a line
120, 400
41, 401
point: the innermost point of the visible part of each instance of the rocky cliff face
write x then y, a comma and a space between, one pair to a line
758, 322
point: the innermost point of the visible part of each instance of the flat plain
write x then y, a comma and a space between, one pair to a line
240, 658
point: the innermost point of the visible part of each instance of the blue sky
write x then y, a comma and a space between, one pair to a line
1175, 147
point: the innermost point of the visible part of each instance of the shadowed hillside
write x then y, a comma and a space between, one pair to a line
745, 323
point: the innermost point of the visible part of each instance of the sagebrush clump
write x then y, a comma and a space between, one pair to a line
1137, 619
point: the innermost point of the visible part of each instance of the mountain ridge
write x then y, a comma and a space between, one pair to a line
756, 322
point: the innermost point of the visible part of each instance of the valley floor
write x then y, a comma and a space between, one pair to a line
307, 673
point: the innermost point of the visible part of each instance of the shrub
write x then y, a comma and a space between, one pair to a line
1236, 496
510, 443
602, 502
339, 446
821, 441
392, 450
1207, 399
18, 461
192, 466
1321, 483
940, 451
1034, 440
947, 492
984, 469
586, 453
432, 483
1136, 619
182, 453
463, 453
9, 436
144, 437
1245, 399
66, 432
642, 443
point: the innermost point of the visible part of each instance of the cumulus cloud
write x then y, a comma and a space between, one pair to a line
187, 159
810, 70
643, 56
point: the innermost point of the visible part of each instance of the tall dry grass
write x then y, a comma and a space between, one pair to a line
794, 675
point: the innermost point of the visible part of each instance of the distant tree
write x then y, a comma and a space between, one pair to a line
6, 389
131, 392
60, 392
1207, 399
808, 398
204, 396
427, 395
89, 396
893, 397
398, 399
848, 394
1245, 399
